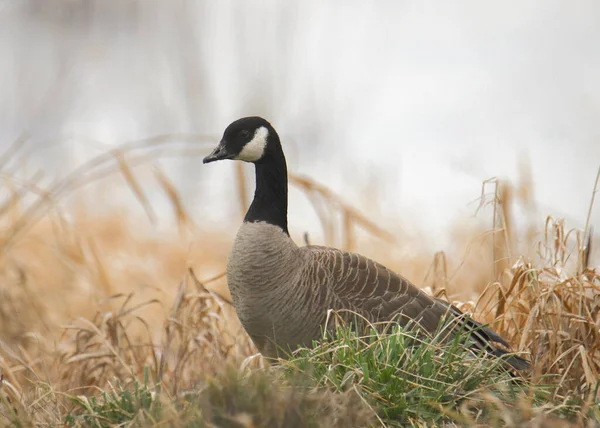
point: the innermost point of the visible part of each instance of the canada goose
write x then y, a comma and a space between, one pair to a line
282, 292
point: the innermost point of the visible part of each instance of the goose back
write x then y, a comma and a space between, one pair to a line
360, 285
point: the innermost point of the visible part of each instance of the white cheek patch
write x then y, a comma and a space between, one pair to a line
255, 148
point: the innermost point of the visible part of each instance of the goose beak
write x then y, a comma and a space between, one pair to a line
219, 153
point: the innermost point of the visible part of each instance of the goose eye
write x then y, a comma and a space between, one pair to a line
244, 133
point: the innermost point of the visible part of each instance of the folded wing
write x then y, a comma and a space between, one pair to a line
361, 285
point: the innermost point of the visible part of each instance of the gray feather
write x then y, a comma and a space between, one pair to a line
282, 293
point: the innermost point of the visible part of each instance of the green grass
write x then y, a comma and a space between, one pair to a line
392, 379
261, 398
122, 405
409, 379
232, 400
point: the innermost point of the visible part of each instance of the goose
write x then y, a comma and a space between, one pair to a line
283, 293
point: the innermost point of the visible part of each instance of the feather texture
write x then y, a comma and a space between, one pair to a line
282, 294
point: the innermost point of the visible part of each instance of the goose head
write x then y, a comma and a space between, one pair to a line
249, 139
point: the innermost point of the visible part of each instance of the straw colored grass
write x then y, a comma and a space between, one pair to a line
105, 320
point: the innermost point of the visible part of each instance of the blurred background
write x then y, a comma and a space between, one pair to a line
401, 108
456, 142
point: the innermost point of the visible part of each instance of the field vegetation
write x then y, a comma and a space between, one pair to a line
106, 322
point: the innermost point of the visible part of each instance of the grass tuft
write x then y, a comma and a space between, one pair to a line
410, 379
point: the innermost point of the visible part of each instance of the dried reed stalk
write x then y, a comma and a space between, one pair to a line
350, 215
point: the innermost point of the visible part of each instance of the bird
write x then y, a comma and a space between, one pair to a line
283, 293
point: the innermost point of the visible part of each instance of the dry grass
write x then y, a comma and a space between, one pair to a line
86, 300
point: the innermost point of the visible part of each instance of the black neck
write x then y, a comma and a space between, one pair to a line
271, 195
